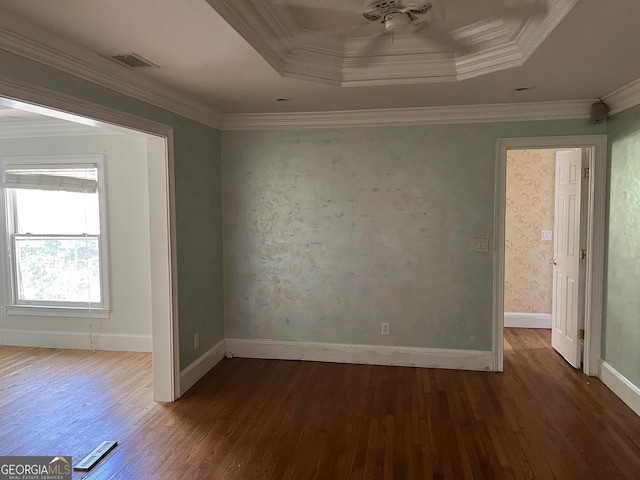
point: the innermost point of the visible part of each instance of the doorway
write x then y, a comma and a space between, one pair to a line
594, 147
540, 220
164, 343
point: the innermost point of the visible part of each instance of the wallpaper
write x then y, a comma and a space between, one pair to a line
622, 305
329, 232
530, 206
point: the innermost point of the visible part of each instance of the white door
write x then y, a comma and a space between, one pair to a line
568, 270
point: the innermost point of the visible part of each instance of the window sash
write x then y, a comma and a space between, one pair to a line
84, 207
17, 282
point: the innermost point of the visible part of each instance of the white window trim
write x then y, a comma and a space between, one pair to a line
42, 311
10, 305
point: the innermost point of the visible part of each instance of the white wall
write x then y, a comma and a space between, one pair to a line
126, 178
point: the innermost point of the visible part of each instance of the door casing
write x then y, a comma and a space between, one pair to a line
595, 239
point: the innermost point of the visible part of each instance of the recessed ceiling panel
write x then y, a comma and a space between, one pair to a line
386, 42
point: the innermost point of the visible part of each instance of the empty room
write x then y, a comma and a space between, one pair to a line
348, 239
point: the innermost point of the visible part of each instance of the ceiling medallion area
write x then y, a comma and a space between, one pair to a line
387, 42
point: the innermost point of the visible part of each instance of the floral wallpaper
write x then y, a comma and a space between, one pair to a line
530, 205
329, 232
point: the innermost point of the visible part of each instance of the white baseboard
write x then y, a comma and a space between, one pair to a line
367, 354
527, 320
75, 340
198, 369
621, 386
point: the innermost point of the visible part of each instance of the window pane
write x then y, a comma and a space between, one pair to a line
54, 212
58, 269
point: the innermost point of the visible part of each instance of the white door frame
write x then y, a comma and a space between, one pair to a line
595, 239
164, 299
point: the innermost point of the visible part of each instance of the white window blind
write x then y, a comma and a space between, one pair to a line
60, 179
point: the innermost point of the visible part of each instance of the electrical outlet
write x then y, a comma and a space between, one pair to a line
384, 328
196, 341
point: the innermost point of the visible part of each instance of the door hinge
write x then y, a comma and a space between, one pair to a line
583, 254
581, 334
585, 172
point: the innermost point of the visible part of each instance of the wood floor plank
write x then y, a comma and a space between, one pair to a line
269, 419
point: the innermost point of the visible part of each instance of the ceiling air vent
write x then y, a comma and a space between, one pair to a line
133, 60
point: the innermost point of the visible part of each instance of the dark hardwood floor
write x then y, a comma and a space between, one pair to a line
261, 419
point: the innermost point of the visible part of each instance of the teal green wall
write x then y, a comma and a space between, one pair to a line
198, 213
329, 232
447, 168
621, 342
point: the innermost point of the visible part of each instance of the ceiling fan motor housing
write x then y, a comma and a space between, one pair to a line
395, 14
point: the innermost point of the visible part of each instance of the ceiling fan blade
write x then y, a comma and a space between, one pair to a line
366, 55
435, 34
338, 23
524, 9
303, 34
328, 6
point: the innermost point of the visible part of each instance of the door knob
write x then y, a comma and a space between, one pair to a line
554, 262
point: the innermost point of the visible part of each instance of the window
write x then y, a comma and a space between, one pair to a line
54, 217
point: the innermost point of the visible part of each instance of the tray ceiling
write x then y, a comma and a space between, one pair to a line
331, 42
210, 67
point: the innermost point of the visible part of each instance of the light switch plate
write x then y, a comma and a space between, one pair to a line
546, 235
481, 244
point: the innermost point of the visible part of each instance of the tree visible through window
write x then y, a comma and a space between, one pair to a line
53, 214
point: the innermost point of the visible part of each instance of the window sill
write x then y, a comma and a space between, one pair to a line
40, 311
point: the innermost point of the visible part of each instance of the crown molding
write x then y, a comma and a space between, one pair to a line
259, 26
515, 112
501, 57
111, 119
503, 52
47, 128
312, 66
624, 98
400, 70
51, 50
534, 32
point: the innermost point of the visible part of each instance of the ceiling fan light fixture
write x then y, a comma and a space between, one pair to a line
396, 21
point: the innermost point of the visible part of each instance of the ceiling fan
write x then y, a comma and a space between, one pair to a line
396, 14
408, 16
421, 18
